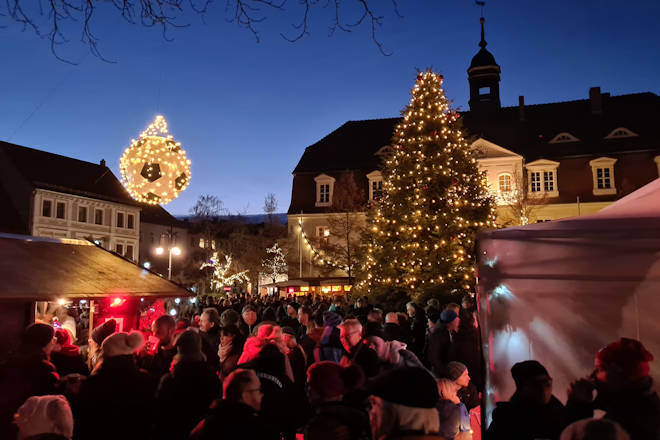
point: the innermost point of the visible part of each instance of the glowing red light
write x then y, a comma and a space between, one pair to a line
117, 301
291, 290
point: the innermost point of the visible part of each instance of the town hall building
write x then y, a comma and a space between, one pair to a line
542, 162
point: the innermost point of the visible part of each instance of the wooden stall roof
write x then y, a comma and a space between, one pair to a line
35, 268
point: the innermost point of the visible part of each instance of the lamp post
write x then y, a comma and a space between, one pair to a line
171, 250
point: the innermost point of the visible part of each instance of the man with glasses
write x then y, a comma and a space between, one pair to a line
357, 348
236, 415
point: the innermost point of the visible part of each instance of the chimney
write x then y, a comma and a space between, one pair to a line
102, 163
521, 107
596, 101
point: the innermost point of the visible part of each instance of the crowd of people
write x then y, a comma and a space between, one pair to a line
312, 368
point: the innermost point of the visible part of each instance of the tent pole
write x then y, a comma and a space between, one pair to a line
91, 318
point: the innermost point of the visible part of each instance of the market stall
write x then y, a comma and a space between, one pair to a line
72, 284
559, 291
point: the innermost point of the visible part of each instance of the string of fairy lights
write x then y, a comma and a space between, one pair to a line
318, 255
435, 199
154, 168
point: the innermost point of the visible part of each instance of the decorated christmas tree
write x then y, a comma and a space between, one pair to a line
420, 234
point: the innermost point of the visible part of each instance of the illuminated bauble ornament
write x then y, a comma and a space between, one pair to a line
155, 169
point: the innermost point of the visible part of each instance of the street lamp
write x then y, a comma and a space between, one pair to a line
171, 250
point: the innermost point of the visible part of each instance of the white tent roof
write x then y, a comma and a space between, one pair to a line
559, 291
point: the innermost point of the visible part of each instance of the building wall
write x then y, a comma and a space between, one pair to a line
108, 234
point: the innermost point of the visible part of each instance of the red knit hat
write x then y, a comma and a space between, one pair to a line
325, 379
628, 356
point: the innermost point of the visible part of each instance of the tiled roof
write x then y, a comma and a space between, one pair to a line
72, 176
352, 146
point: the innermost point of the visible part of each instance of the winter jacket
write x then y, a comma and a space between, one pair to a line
437, 349
374, 329
466, 348
69, 361
418, 329
24, 375
115, 402
636, 409
338, 420
183, 397
454, 418
393, 332
363, 356
210, 343
228, 365
517, 420
232, 420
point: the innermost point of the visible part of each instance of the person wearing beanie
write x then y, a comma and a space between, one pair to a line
439, 341
402, 405
185, 393
452, 414
357, 351
458, 373
44, 417
28, 372
66, 356
291, 319
330, 347
98, 336
116, 401
532, 412
624, 390
332, 417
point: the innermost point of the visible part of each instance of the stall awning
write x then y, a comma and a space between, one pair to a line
35, 268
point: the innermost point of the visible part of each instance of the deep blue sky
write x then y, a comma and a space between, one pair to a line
245, 111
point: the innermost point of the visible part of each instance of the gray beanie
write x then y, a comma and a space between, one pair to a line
454, 370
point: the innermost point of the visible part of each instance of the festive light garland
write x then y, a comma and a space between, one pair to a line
220, 278
319, 255
154, 168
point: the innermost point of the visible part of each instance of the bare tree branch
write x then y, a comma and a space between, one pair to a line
53, 18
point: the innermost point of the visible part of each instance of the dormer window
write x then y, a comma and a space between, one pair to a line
602, 170
542, 178
384, 152
324, 189
620, 132
563, 138
375, 185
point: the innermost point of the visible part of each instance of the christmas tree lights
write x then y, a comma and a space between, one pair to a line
420, 234
154, 168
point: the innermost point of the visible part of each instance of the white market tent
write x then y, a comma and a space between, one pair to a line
559, 291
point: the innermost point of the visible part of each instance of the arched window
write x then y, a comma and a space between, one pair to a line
504, 182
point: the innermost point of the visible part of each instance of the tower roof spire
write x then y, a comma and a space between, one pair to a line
482, 43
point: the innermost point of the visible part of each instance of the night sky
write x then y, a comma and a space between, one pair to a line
245, 111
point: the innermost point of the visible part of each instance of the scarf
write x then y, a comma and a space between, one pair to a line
224, 351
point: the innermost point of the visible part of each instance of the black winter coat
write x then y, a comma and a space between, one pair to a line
115, 403
394, 332
232, 420
363, 356
210, 344
338, 420
183, 398
437, 349
24, 375
517, 420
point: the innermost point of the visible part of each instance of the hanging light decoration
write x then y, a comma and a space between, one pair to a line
154, 168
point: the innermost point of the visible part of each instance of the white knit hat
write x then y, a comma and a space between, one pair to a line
44, 415
122, 343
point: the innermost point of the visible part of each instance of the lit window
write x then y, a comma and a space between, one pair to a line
120, 219
213, 244
322, 236
602, 171
82, 214
201, 243
375, 185
98, 216
130, 221
60, 208
542, 178
504, 181
46, 208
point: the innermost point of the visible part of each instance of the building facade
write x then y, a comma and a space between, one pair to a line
542, 162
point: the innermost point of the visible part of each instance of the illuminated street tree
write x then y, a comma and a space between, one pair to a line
420, 234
